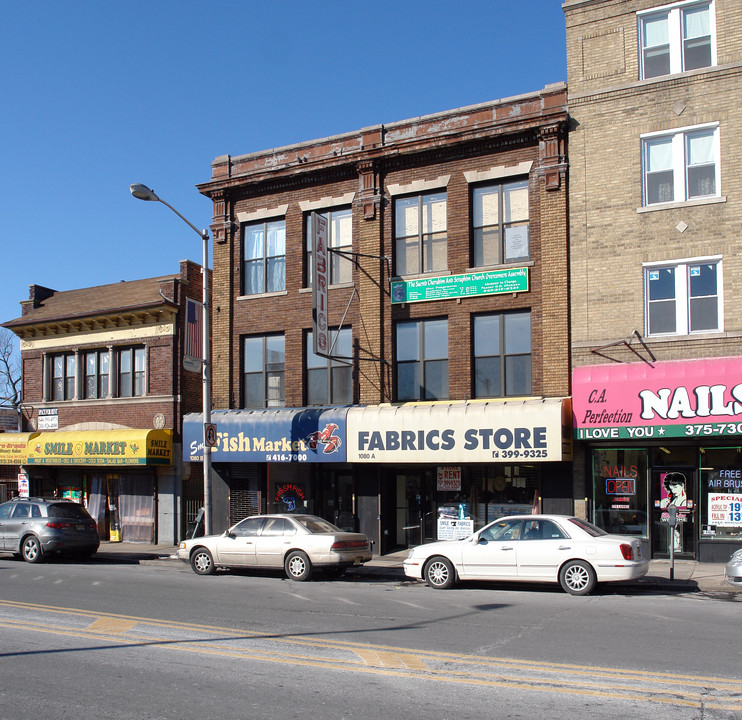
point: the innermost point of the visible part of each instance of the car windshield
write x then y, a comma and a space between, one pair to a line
588, 527
68, 510
315, 524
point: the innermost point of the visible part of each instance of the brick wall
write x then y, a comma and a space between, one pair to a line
611, 236
317, 170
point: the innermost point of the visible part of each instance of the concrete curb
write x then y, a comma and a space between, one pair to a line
689, 576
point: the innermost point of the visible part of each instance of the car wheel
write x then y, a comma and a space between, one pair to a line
202, 562
439, 573
577, 577
31, 549
297, 566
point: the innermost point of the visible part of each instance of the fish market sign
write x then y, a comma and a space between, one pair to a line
691, 398
446, 287
278, 436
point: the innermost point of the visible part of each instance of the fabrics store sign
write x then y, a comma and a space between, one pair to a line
690, 398
457, 432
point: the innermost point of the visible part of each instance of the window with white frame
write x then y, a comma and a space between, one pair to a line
676, 38
264, 257
263, 369
420, 239
330, 379
681, 166
684, 297
500, 223
96, 374
63, 371
340, 240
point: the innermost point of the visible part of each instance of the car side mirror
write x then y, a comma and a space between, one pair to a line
230, 534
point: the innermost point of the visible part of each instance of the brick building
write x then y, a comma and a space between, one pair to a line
655, 207
104, 392
441, 388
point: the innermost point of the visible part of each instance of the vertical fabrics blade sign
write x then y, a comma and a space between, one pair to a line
320, 281
193, 355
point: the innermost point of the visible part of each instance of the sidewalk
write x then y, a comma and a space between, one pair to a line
689, 575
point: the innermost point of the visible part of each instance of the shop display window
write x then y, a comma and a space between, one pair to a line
721, 493
620, 490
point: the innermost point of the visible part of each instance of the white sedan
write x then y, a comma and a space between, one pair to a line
296, 543
531, 548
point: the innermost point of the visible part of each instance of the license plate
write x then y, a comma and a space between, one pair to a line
80, 528
357, 561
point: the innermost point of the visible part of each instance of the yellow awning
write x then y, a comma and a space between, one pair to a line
13, 447
100, 447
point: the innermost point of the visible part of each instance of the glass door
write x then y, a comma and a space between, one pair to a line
674, 487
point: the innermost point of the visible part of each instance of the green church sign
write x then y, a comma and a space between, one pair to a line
447, 287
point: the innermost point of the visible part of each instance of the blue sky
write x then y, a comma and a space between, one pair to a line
99, 94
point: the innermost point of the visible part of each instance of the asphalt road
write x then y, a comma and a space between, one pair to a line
123, 641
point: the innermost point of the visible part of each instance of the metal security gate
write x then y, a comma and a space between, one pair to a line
245, 496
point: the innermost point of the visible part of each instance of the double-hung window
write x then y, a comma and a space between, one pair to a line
263, 367
131, 377
340, 240
684, 297
63, 371
677, 38
96, 374
264, 257
420, 239
681, 166
330, 379
502, 354
500, 223
422, 359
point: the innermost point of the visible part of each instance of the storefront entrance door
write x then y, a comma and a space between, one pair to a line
674, 487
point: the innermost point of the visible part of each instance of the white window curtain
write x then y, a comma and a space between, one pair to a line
137, 507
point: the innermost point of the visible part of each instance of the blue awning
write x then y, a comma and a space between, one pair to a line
290, 435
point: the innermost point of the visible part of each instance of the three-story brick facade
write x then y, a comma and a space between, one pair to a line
444, 381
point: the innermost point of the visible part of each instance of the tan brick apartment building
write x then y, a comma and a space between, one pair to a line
655, 211
440, 400
104, 392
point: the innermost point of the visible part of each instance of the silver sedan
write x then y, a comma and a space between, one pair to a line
296, 543
733, 569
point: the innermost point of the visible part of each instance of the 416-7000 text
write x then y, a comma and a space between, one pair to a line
519, 454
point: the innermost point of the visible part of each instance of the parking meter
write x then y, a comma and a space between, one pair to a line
671, 524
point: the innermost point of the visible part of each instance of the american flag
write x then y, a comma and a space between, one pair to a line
194, 331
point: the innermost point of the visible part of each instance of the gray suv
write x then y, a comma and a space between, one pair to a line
33, 528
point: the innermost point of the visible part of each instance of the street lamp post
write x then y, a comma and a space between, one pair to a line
142, 192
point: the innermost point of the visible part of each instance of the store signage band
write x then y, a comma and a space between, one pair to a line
447, 287
682, 399
510, 432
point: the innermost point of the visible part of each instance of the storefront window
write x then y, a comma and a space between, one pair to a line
620, 490
487, 492
721, 493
